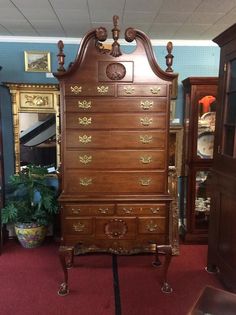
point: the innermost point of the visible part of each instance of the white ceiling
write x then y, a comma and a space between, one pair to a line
159, 19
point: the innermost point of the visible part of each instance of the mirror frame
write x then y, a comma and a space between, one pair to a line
33, 98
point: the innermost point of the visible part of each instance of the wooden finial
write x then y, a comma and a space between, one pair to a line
115, 51
61, 56
169, 57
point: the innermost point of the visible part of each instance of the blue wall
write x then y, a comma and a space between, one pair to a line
188, 61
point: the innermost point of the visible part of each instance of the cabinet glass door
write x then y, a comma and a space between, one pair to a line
229, 137
206, 127
202, 199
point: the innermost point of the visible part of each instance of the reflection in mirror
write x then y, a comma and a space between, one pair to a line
37, 139
206, 126
35, 111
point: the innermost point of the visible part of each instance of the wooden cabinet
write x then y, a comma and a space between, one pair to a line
222, 235
114, 150
199, 129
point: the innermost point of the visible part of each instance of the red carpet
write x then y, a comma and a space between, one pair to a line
140, 283
30, 280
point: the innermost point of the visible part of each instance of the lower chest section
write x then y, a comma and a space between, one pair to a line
115, 226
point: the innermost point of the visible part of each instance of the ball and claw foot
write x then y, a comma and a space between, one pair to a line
63, 290
166, 288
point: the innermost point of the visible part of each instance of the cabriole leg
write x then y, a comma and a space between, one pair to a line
66, 259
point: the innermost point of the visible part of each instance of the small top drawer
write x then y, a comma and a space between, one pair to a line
90, 90
142, 90
88, 209
141, 209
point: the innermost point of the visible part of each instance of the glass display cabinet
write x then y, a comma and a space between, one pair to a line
199, 129
222, 235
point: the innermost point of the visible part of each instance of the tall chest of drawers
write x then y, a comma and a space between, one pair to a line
114, 149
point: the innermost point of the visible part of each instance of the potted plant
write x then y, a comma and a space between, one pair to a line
31, 205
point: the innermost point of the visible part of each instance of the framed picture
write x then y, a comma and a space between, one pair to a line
37, 61
174, 91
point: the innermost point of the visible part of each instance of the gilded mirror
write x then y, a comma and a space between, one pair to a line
35, 110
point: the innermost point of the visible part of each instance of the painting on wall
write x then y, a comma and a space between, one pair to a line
37, 61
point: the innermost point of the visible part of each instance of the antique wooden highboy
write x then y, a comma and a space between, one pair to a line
114, 148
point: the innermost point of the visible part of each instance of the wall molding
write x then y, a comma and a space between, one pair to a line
67, 40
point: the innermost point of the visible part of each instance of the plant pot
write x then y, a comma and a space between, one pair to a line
30, 235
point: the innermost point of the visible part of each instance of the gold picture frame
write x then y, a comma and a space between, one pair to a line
37, 61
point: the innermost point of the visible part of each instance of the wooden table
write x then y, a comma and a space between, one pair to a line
213, 301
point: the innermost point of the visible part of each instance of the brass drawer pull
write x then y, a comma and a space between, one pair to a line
85, 139
155, 90
85, 181
102, 89
145, 181
146, 105
79, 227
75, 211
146, 159
152, 227
129, 90
103, 210
145, 139
85, 121
155, 210
127, 210
85, 159
146, 121
84, 104
76, 89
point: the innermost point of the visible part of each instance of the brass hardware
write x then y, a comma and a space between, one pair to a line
85, 104
155, 210
151, 226
85, 181
75, 211
85, 121
79, 227
146, 104
145, 139
225, 67
103, 210
76, 89
85, 139
146, 121
146, 159
129, 89
102, 89
85, 159
128, 210
145, 181
155, 90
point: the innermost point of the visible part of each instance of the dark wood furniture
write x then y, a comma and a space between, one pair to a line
214, 301
199, 126
114, 150
222, 232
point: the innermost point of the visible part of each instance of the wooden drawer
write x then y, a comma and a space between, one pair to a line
81, 226
116, 228
90, 90
152, 225
88, 209
117, 105
142, 90
114, 159
116, 139
115, 182
142, 209
116, 121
